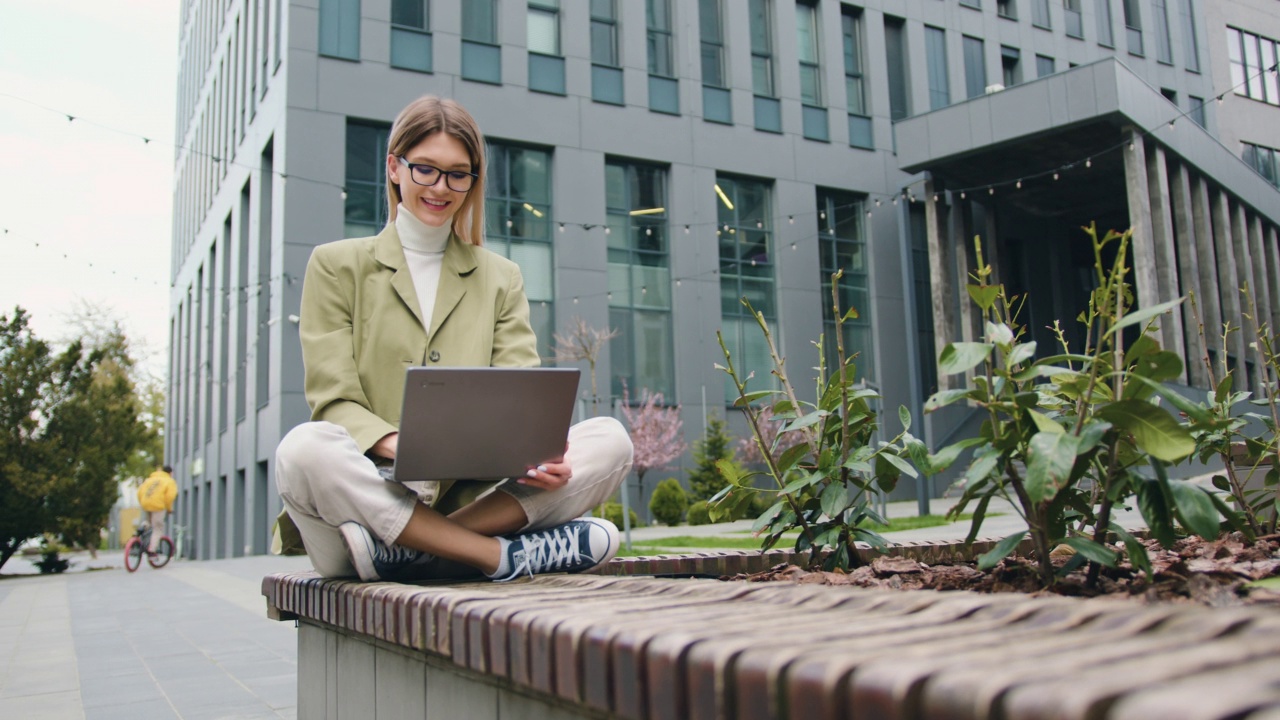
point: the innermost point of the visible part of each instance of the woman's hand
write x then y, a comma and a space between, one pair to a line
551, 475
386, 447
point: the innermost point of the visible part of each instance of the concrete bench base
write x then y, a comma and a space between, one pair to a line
642, 647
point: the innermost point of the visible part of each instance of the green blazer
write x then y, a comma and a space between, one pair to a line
360, 324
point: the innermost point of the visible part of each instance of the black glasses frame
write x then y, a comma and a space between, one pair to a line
449, 175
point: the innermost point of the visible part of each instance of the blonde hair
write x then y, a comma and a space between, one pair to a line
422, 118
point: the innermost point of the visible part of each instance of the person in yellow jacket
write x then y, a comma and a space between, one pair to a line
156, 495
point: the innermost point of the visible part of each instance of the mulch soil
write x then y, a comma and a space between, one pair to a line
1194, 570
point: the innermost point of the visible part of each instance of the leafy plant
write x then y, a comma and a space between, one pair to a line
823, 483
1068, 436
669, 502
1227, 432
51, 562
656, 433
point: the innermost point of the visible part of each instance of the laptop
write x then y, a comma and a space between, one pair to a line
482, 423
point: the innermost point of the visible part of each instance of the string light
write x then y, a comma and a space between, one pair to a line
1088, 162
1019, 186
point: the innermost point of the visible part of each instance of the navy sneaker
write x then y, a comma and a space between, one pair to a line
375, 560
575, 546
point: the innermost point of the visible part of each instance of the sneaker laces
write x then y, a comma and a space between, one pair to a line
547, 551
394, 554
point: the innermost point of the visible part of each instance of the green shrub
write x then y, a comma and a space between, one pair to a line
668, 502
698, 514
613, 513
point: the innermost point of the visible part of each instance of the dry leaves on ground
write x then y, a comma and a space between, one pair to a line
1194, 570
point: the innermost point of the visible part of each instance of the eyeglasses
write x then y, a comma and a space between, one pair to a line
429, 175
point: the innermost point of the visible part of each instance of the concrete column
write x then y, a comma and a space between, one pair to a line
1229, 284
1245, 274
1271, 252
1261, 276
1209, 301
1139, 197
962, 246
940, 290
1188, 274
1166, 258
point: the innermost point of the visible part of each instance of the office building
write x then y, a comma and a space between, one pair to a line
653, 161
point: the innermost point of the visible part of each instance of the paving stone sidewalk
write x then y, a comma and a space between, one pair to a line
189, 641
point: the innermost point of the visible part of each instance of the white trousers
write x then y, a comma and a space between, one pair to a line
156, 518
324, 481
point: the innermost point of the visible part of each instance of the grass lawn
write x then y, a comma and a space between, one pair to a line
744, 540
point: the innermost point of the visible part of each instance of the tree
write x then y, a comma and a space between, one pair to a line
705, 481
656, 433
583, 343
70, 421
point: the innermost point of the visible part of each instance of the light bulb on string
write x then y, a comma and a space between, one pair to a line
608, 230
1088, 162
561, 227
1019, 184
961, 194
791, 219
991, 190
1055, 175
686, 229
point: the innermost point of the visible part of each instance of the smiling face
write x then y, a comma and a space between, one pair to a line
435, 205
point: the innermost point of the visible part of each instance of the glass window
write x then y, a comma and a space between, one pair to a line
365, 209
1197, 110
1133, 26
1106, 36
480, 21
1186, 9
761, 48
851, 30
1164, 43
935, 47
518, 226
975, 67
711, 34
658, 20
340, 28
1011, 73
481, 55
639, 277
1040, 14
544, 27
807, 50
745, 233
1044, 66
1074, 18
1252, 59
1263, 159
1007, 9
842, 246
897, 62
604, 33
410, 39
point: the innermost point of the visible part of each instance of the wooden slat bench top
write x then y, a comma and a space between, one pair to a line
665, 648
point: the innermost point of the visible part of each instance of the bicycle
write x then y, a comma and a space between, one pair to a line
137, 547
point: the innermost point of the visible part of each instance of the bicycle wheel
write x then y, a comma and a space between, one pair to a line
163, 554
133, 554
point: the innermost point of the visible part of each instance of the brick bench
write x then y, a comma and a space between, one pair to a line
630, 645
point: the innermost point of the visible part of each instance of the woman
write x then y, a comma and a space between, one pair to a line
424, 291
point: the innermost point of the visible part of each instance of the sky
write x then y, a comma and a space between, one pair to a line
86, 205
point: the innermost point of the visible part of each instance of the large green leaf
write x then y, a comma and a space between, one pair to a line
988, 560
834, 499
985, 297
1156, 511
1195, 509
1154, 430
904, 415
902, 465
1049, 470
1092, 550
1137, 551
1144, 314
1192, 410
1020, 354
943, 398
962, 356
805, 421
1044, 423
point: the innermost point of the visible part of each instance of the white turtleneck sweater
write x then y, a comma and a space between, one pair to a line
424, 250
